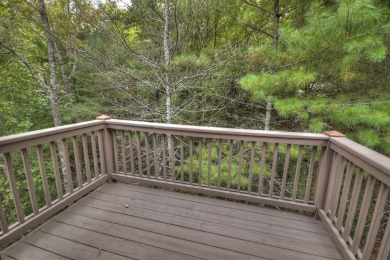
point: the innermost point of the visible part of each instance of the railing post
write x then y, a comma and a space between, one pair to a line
324, 173
108, 147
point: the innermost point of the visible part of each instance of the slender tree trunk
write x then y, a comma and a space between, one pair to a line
167, 56
275, 42
268, 116
53, 86
168, 88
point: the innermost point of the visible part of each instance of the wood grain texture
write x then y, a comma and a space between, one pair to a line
158, 224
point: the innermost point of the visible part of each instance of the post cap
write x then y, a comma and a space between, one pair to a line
103, 117
334, 133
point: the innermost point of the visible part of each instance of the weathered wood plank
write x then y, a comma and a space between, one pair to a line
197, 244
26, 251
86, 234
68, 248
201, 200
208, 220
196, 209
198, 231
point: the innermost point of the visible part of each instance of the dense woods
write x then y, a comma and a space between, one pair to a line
306, 66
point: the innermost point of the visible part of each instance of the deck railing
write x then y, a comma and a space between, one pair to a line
343, 183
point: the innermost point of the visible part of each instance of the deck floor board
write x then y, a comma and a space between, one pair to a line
119, 221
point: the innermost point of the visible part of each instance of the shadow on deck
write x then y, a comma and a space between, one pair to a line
125, 221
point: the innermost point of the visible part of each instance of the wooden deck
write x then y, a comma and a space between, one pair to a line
123, 221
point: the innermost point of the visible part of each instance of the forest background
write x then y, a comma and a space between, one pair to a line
302, 66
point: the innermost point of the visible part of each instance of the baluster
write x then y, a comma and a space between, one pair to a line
116, 155
200, 161
77, 161
363, 214
164, 162
297, 173
3, 220
336, 191
344, 196
219, 164
251, 163
191, 160
57, 176
375, 221
230, 164
101, 153
123, 152
385, 245
155, 156
131, 153
262, 167
240, 166
352, 204
42, 169
30, 181
310, 173
181, 159
147, 154
86, 157
209, 162
14, 190
139, 156
273, 172
94, 155
285, 171
173, 174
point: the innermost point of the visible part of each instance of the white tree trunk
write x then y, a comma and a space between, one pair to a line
268, 116
53, 87
168, 88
